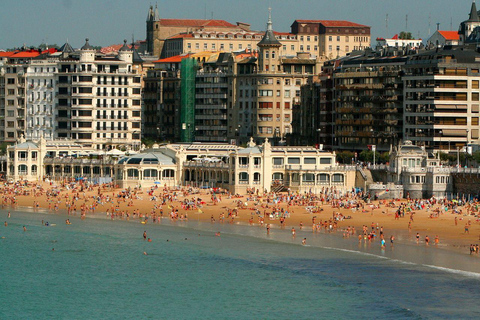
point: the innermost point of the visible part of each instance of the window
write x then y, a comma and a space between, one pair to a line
330, 48
278, 161
330, 38
292, 47
308, 177
325, 160
338, 178
287, 94
293, 160
310, 161
205, 46
301, 47
338, 38
243, 176
197, 46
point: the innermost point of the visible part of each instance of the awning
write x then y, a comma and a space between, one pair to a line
454, 132
451, 106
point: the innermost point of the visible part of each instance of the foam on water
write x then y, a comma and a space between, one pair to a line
98, 270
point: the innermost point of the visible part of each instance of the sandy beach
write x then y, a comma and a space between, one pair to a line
147, 205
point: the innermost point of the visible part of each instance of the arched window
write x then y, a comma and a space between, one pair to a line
308, 177
150, 174
338, 178
267, 54
243, 176
132, 173
323, 178
256, 177
168, 174
34, 169
277, 176
22, 169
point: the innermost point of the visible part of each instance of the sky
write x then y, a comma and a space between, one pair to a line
107, 22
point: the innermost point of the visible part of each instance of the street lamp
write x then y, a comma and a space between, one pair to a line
318, 136
440, 136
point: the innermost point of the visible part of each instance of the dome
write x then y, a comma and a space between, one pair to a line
87, 46
125, 47
148, 158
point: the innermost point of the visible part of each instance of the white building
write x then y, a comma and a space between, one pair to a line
209, 165
399, 43
40, 117
99, 99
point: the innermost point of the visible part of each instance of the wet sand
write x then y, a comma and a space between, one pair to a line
451, 236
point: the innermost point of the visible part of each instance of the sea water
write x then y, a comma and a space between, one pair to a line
98, 270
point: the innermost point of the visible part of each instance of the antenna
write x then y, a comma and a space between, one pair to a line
451, 23
406, 22
429, 23
386, 25
212, 15
205, 10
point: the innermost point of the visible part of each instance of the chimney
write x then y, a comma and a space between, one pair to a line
438, 26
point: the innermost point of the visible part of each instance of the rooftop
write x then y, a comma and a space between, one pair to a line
333, 23
450, 35
196, 23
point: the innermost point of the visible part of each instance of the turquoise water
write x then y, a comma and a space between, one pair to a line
98, 271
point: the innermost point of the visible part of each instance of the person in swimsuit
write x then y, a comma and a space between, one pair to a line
144, 235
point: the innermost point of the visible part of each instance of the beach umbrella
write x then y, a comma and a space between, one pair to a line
116, 152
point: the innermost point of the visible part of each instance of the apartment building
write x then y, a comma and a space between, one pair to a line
211, 100
13, 69
265, 89
312, 122
331, 39
224, 41
442, 98
159, 30
99, 99
369, 102
40, 98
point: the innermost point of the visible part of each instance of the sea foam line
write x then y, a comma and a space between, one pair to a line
455, 271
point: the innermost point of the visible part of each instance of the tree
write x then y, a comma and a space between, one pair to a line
345, 157
405, 35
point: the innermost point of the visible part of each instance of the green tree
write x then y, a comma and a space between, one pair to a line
405, 35
345, 157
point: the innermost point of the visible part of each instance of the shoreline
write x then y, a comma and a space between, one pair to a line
403, 252
451, 236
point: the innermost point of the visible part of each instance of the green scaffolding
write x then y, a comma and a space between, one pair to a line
188, 69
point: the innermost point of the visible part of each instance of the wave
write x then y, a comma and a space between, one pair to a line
454, 271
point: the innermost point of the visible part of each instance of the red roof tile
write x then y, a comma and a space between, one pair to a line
182, 35
333, 23
174, 59
25, 54
196, 23
450, 35
7, 54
